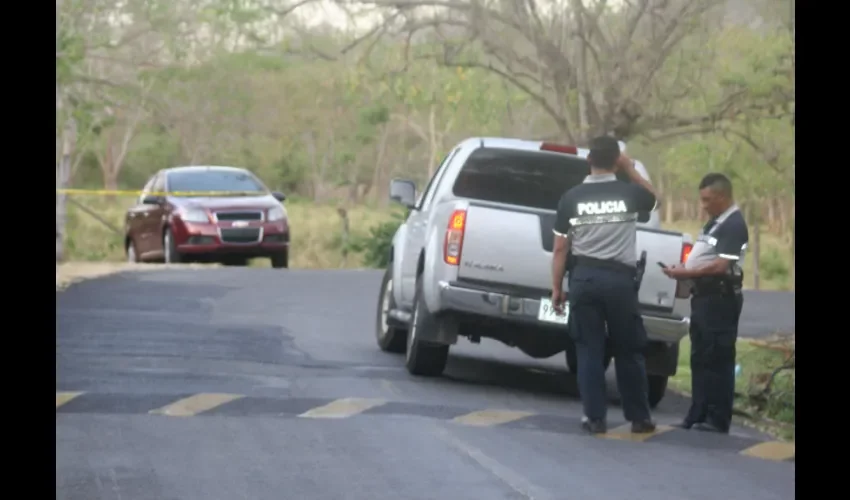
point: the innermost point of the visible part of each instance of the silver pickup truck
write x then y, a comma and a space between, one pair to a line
474, 259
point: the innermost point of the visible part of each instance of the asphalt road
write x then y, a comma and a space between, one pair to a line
767, 313
225, 384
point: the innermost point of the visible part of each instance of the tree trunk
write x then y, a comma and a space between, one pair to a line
432, 139
756, 248
63, 172
793, 249
666, 194
771, 214
62, 165
378, 174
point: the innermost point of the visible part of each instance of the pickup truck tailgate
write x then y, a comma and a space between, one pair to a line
656, 289
513, 247
505, 246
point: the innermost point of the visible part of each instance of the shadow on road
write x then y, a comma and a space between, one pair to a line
513, 378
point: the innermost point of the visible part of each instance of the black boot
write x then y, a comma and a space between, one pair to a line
711, 427
643, 426
595, 426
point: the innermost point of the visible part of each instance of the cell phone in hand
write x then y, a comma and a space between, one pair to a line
661, 265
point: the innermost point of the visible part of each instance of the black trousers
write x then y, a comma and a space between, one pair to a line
713, 333
599, 296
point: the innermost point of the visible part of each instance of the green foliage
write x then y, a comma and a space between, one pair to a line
376, 245
339, 127
773, 266
71, 49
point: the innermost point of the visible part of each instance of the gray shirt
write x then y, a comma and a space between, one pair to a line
600, 217
725, 236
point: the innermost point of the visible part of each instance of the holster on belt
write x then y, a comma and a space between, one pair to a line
639, 270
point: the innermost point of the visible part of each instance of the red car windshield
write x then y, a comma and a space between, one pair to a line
214, 181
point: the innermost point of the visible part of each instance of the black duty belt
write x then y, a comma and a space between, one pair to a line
613, 265
722, 287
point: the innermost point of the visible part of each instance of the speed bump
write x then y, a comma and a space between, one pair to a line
777, 451
223, 405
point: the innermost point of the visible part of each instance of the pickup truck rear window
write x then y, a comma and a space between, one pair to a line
524, 178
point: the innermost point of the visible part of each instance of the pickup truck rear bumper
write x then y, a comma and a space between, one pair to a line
516, 309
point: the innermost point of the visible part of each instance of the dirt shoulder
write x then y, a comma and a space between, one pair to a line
68, 273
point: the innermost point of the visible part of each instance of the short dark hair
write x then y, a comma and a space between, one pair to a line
604, 152
717, 182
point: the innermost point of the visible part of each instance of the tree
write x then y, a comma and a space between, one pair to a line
593, 67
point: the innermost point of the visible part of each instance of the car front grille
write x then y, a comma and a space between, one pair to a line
245, 215
241, 235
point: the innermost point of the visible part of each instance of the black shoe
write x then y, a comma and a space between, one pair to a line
709, 427
643, 427
594, 426
684, 424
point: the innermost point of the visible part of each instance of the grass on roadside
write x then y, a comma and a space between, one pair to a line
770, 410
68, 273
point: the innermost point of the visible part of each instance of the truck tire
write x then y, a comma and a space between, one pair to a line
572, 358
421, 358
390, 338
657, 388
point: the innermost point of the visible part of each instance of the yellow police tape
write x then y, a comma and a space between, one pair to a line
117, 192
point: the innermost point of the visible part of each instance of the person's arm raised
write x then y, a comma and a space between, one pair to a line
627, 166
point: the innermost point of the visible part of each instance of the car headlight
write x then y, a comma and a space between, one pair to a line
194, 215
276, 213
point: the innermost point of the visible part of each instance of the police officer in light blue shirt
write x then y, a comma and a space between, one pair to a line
714, 266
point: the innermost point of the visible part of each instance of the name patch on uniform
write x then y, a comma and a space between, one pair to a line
601, 207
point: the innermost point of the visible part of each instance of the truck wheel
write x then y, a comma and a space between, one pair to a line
390, 338
572, 358
657, 389
422, 358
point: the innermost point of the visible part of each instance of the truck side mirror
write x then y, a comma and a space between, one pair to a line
403, 191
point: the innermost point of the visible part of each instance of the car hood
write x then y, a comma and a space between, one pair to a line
225, 202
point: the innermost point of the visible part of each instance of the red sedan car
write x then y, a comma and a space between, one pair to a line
171, 223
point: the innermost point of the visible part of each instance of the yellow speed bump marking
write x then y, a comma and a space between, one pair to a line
193, 405
342, 408
771, 450
484, 418
64, 397
624, 432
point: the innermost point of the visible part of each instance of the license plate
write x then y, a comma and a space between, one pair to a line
548, 314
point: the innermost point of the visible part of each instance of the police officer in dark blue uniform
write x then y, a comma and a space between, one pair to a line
714, 268
596, 224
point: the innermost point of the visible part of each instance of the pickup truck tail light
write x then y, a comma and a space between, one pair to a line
683, 288
686, 251
558, 148
453, 244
